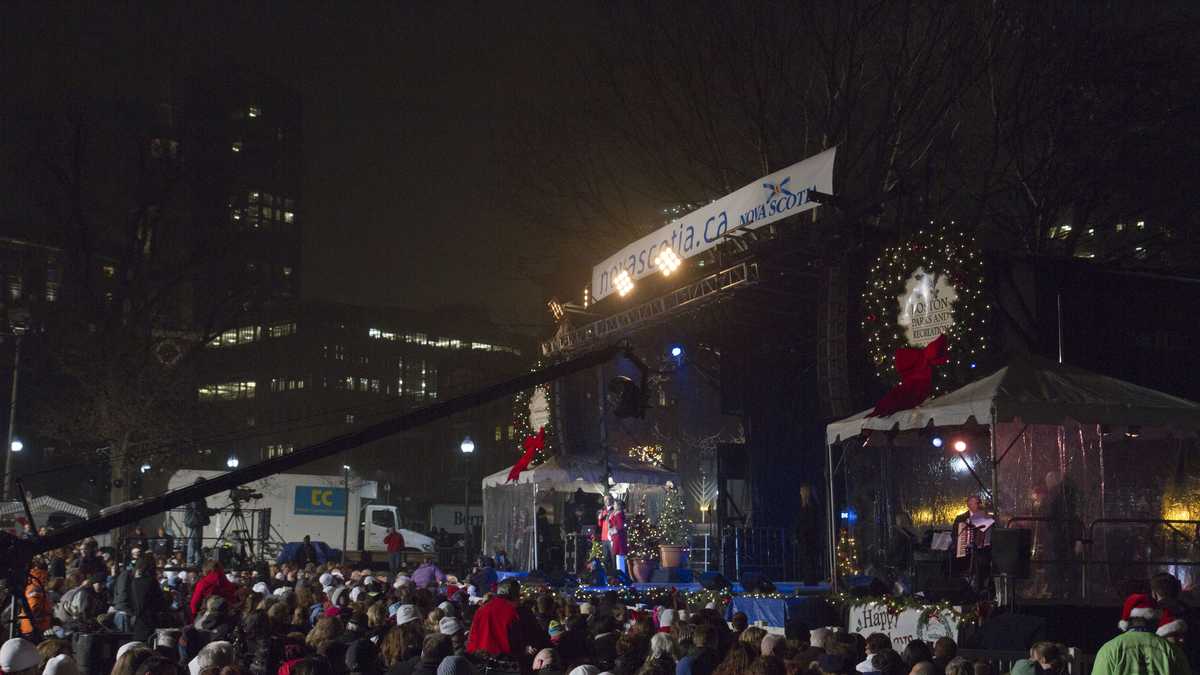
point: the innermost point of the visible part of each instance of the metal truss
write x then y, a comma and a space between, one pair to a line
689, 297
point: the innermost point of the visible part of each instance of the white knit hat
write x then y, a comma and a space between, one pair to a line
326, 579
129, 645
405, 614
262, 588
18, 654
62, 664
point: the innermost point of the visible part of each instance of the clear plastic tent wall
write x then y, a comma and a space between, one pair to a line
509, 522
1069, 484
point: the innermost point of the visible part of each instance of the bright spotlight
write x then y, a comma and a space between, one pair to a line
937, 442
623, 282
232, 462
16, 446
960, 446
667, 261
145, 467
676, 351
556, 309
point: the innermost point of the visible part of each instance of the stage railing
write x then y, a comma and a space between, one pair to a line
1080, 566
765, 550
1001, 661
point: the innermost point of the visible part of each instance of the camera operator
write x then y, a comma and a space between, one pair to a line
196, 518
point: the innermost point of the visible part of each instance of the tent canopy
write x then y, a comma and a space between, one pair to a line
1036, 391
571, 472
43, 505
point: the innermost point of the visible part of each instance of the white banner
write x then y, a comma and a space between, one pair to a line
779, 195
902, 627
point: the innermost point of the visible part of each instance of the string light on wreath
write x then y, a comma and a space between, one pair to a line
951, 255
522, 425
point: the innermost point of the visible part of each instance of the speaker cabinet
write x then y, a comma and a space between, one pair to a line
1011, 552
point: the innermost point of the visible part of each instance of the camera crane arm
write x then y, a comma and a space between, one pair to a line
16, 554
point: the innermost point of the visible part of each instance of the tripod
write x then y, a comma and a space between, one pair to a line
242, 532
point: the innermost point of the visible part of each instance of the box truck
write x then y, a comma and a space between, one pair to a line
302, 504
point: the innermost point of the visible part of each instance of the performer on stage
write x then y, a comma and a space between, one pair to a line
616, 533
973, 538
602, 523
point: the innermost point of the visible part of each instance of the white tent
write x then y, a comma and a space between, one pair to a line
1035, 391
566, 473
43, 506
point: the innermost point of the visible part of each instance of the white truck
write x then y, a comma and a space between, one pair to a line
316, 506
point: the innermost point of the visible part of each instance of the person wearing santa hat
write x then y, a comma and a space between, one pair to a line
1138, 649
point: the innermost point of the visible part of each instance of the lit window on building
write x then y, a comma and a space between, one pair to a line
374, 386
362, 384
400, 386
236, 214
266, 212
289, 217
348, 383
226, 391
1141, 224
236, 146
14, 286
109, 271
253, 111
279, 330
252, 198
241, 335
499, 433
512, 433
268, 199
349, 418
287, 271
280, 449
53, 281
339, 352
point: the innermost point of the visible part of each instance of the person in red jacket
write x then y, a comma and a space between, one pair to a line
618, 536
213, 583
395, 547
502, 628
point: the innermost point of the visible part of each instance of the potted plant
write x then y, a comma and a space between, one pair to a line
674, 530
643, 546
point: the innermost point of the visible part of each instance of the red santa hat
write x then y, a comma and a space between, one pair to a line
1138, 606
1169, 624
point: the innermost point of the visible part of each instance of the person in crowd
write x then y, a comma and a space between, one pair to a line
702, 659
195, 519
163, 544
618, 536
89, 562
394, 541
944, 651
1177, 616
137, 539
809, 534
1138, 649
146, 599
214, 582
19, 656
428, 575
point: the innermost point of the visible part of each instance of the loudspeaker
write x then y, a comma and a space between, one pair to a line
714, 581
1011, 549
756, 582
949, 589
264, 525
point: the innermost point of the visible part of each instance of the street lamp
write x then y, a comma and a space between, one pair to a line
232, 462
18, 329
346, 507
145, 468
468, 448
16, 445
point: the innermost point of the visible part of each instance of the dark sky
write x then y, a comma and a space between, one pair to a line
404, 105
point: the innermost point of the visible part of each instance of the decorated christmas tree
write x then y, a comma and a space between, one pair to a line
643, 541
674, 528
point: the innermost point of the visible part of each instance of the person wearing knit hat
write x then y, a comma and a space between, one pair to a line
448, 608
585, 609
214, 655
62, 664
456, 665
19, 656
585, 670
355, 593
556, 631
126, 647
261, 588
405, 614
326, 579
449, 626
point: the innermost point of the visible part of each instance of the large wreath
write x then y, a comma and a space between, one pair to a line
946, 253
524, 429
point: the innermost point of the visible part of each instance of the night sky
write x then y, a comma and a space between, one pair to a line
405, 107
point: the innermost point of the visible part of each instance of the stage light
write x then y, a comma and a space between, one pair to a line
556, 309
676, 351
937, 442
232, 462
667, 261
16, 446
624, 283
960, 446
587, 296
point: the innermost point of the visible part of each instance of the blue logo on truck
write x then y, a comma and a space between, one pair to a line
319, 500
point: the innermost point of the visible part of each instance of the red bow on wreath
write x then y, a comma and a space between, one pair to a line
915, 367
532, 444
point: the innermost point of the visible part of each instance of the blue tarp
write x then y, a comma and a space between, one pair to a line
324, 552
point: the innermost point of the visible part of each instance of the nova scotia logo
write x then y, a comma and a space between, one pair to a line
778, 189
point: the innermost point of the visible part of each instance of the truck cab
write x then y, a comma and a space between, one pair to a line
377, 519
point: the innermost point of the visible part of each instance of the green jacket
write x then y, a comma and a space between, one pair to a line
1140, 653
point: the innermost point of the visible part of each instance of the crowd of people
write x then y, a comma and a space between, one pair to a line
330, 619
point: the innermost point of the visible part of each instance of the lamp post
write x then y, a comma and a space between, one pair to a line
346, 513
468, 447
13, 446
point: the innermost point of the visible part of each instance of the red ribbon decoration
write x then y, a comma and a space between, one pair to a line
532, 444
916, 377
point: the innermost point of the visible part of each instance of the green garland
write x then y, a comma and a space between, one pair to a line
947, 251
520, 422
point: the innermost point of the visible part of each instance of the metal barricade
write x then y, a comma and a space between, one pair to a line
1177, 538
765, 550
